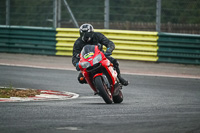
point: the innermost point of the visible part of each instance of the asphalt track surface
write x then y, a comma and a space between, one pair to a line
154, 102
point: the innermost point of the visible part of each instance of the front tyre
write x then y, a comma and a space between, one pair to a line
104, 92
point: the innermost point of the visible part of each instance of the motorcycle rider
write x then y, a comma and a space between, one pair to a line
88, 36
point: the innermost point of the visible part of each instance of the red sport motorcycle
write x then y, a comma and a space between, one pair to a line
100, 74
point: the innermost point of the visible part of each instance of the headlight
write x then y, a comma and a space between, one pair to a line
97, 59
85, 64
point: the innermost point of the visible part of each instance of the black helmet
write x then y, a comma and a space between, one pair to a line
86, 32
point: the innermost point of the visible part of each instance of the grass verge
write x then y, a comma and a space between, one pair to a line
12, 92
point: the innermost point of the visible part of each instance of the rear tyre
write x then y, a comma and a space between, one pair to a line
104, 92
118, 98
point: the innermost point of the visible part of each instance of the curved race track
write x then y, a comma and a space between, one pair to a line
152, 104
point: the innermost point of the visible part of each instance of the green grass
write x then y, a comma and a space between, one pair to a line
4, 92
12, 92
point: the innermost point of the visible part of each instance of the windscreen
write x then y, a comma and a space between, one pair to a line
88, 51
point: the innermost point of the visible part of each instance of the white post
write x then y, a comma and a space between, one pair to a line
158, 15
7, 12
55, 12
59, 13
106, 15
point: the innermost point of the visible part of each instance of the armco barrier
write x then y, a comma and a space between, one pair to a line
179, 48
29, 40
130, 45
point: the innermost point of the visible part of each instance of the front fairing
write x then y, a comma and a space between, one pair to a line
88, 56
87, 59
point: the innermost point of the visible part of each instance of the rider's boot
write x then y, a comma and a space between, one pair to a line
121, 80
81, 79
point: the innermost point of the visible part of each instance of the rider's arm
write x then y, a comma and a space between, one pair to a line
76, 52
105, 41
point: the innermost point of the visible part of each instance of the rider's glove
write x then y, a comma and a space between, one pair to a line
77, 67
108, 52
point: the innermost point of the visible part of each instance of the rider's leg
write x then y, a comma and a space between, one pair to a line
116, 66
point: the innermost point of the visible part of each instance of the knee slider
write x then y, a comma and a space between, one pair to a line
115, 63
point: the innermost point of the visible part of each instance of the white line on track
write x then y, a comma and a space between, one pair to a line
128, 73
32, 66
89, 97
165, 75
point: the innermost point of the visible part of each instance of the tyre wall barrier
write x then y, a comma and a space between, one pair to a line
130, 45
179, 48
29, 40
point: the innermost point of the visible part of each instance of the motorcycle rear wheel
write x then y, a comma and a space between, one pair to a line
104, 92
118, 98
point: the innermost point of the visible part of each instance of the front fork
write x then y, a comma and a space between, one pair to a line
105, 80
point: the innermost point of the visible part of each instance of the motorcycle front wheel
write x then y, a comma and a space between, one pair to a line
104, 92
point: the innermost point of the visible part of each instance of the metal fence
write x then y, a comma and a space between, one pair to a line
177, 16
